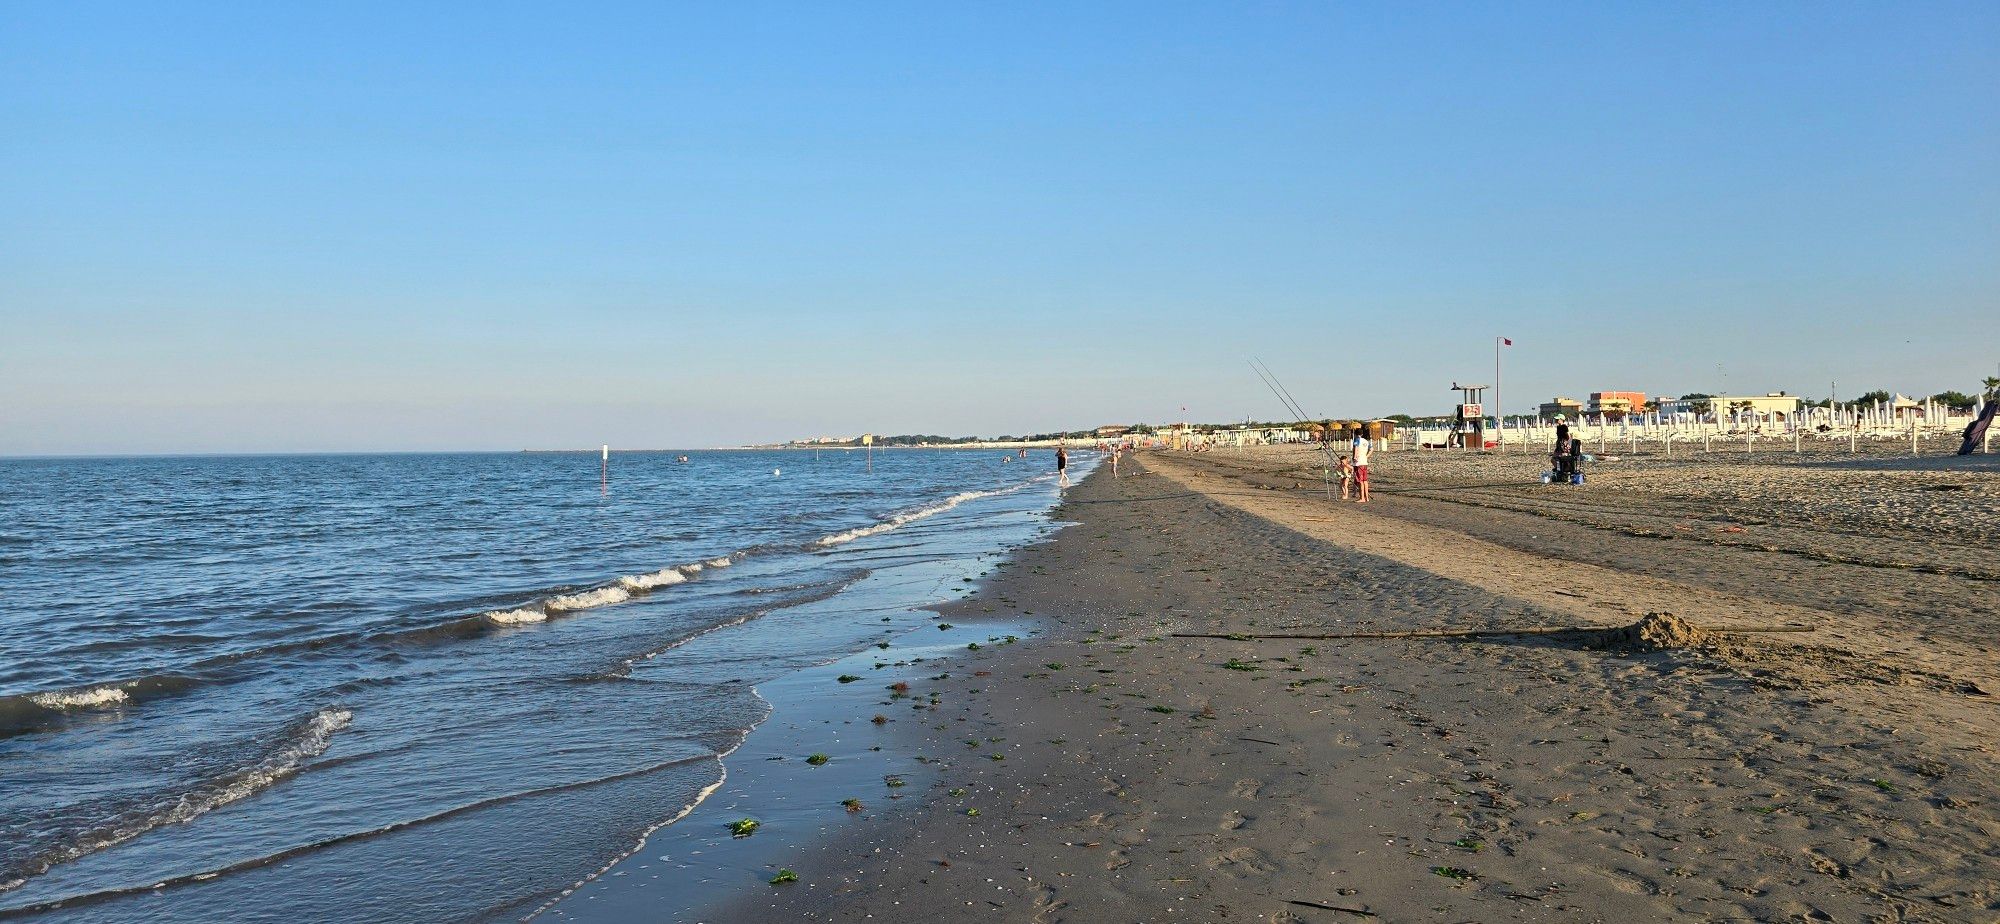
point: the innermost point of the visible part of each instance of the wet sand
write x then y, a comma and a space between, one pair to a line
1110, 771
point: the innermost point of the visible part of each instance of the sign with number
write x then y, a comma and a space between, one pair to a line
1472, 410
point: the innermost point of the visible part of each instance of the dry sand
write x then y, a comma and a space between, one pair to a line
1664, 771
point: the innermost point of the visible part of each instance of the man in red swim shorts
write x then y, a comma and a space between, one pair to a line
1361, 448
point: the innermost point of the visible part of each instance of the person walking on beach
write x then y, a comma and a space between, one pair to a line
1062, 466
1361, 448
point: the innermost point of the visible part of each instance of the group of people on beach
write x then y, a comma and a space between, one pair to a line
1113, 451
1566, 459
1354, 471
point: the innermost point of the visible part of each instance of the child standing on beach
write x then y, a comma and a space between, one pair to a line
1346, 476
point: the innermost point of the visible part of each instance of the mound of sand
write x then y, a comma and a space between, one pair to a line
1656, 632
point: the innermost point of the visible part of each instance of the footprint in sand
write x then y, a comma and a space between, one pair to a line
1244, 861
1825, 865
1232, 821
1048, 908
1247, 789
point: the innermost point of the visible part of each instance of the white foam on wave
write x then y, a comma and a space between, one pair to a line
605, 596
308, 740
515, 617
80, 699
660, 578
911, 516
583, 600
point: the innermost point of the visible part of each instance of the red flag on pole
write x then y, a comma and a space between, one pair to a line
1506, 342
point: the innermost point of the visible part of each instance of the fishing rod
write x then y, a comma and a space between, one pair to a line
1284, 396
1293, 402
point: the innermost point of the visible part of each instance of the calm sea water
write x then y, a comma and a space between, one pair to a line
435, 687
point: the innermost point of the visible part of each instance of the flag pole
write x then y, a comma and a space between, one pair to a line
1499, 420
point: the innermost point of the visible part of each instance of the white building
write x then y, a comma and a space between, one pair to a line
1776, 405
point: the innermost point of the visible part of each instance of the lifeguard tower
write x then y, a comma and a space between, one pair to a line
1471, 410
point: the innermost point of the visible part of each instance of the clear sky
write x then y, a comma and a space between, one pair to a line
352, 226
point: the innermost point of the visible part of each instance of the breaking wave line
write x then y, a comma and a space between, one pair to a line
898, 520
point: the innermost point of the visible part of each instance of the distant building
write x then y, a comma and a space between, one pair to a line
1775, 404
1562, 407
1111, 430
1616, 403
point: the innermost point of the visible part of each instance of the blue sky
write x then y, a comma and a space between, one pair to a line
491, 226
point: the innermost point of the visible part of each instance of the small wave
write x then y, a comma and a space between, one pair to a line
661, 578
624, 668
759, 591
89, 898
618, 592
304, 740
803, 593
66, 700
722, 776
26, 712
515, 617
589, 599
911, 516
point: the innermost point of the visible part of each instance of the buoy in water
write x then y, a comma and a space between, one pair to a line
776, 472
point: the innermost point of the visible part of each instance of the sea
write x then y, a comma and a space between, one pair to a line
444, 687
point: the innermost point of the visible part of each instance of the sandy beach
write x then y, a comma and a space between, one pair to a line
634, 462
1807, 735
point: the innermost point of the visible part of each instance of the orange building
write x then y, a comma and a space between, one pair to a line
1616, 403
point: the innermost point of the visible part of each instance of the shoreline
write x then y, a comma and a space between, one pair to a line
686, 866
767, 778
1150, 777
